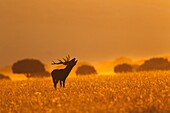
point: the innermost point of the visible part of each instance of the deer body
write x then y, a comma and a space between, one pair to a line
62, 74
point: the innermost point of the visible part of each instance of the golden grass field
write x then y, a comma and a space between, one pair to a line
145, 92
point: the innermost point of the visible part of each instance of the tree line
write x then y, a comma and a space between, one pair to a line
148, 65
35, 68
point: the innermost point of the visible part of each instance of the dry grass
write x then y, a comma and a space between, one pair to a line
125, 93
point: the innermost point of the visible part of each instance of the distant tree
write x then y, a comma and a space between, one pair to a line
86, 70
123, 68
4, 77
30, 67
155, 64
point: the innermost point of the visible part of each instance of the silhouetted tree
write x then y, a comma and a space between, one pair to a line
123, 68
85, 70
4, 77
30, 67
155, 64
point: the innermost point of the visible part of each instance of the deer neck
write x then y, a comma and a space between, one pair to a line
68, 69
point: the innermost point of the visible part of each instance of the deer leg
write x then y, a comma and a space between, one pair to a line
55, 83
60, 83
63, 83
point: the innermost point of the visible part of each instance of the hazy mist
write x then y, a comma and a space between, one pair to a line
87, 29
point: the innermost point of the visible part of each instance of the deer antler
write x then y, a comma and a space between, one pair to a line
68, 58
61, 62
53, 63
65, 60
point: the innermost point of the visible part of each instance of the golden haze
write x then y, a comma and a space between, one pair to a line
88, 29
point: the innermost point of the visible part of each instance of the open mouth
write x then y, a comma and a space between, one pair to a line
75, 60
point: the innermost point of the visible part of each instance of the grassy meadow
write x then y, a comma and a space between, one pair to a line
144, 92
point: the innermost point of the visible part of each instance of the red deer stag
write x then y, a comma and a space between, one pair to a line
62, 74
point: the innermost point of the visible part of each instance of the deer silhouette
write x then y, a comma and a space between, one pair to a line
62, 74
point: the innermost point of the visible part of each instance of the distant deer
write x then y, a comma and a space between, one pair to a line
62, 74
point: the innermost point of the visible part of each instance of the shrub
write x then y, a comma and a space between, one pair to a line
85, 70
155, 64
123, 68
4, 77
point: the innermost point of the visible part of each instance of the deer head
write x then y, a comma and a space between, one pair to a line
66, 61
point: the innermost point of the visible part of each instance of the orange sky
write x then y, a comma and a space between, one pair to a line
88, 29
